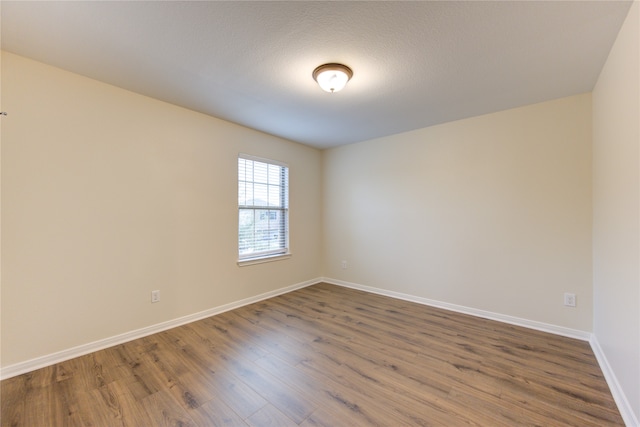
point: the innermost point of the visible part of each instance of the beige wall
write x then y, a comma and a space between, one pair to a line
491, 213
107, 195
616, 208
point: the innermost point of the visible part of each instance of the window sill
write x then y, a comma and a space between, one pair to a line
262, 260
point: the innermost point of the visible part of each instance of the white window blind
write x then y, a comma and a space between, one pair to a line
263, 208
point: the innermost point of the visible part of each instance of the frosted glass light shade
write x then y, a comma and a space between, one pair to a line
332, 77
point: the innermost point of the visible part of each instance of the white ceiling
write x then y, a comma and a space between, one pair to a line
415, 63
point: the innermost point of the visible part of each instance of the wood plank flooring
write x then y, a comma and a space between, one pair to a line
323, 356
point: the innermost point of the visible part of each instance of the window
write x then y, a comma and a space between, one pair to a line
263, 208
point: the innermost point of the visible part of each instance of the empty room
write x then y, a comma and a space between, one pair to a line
320, 213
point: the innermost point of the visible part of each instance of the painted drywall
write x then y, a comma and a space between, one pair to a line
108, 195
616, 209
491, 213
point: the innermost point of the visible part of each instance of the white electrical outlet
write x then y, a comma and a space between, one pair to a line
155, 296
569, 299
344, 264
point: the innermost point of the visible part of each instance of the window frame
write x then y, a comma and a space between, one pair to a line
283, 207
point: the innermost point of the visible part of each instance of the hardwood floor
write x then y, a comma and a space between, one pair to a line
323, 356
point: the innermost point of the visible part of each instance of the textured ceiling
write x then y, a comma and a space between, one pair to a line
415, 63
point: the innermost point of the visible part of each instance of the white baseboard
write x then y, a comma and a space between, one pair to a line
531, 324
81, 350
616, 390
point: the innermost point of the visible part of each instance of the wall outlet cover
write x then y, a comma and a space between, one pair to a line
569, 299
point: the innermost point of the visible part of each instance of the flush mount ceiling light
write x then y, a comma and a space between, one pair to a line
332, 77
